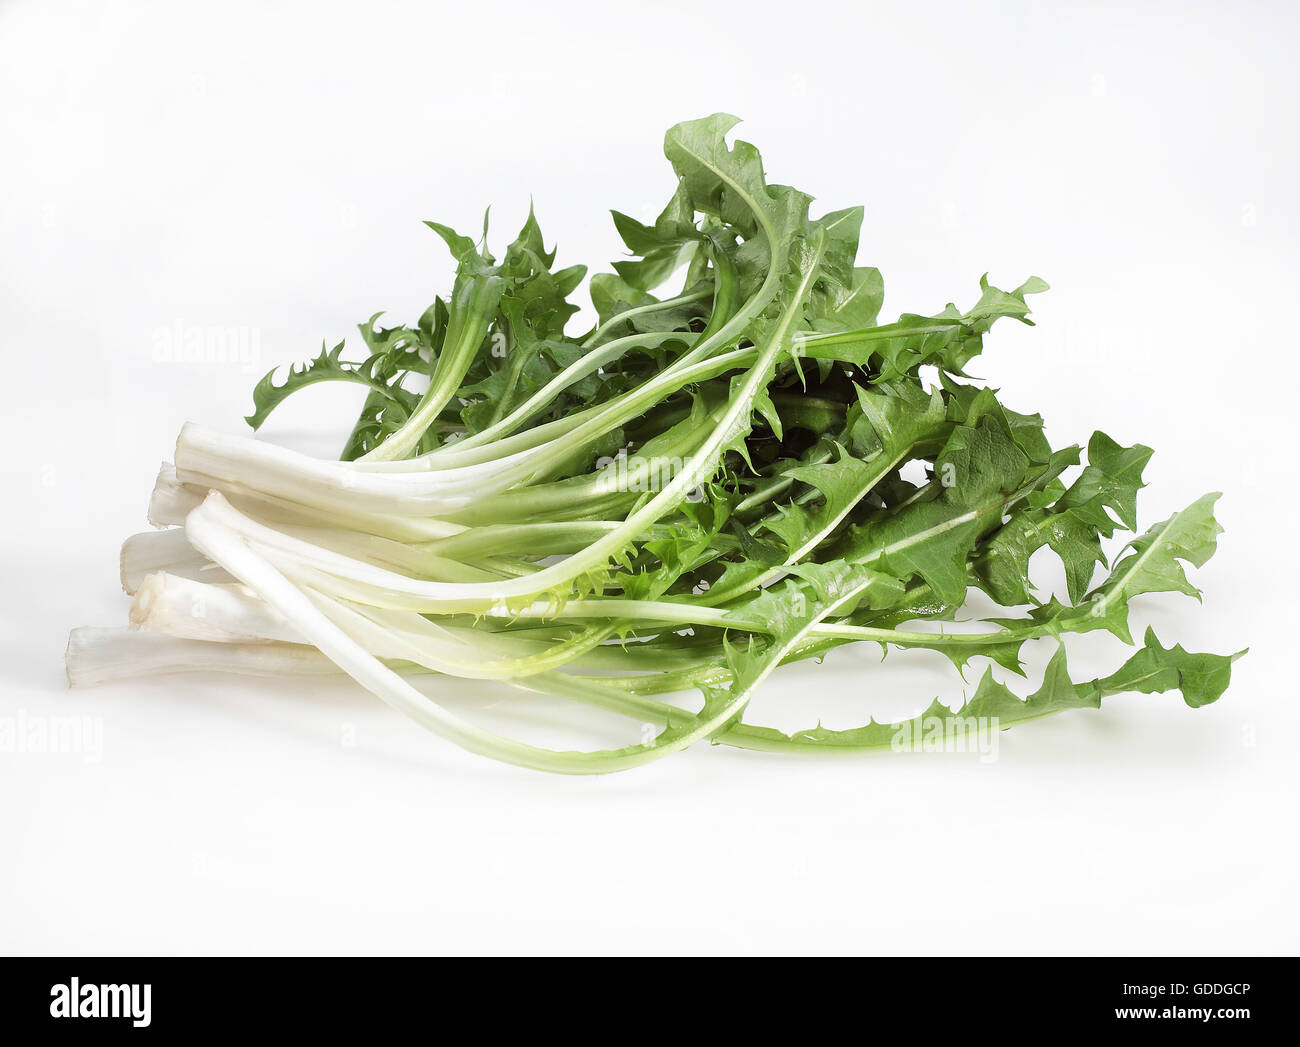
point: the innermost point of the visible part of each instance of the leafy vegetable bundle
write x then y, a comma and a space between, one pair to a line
703, 488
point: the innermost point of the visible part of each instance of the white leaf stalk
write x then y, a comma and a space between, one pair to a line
208, 530
168, 550
97, 656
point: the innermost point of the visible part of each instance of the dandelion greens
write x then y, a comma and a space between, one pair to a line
738, 467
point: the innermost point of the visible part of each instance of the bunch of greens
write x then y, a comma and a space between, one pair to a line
702, 488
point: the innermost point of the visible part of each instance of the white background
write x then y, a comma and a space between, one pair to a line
266, 167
